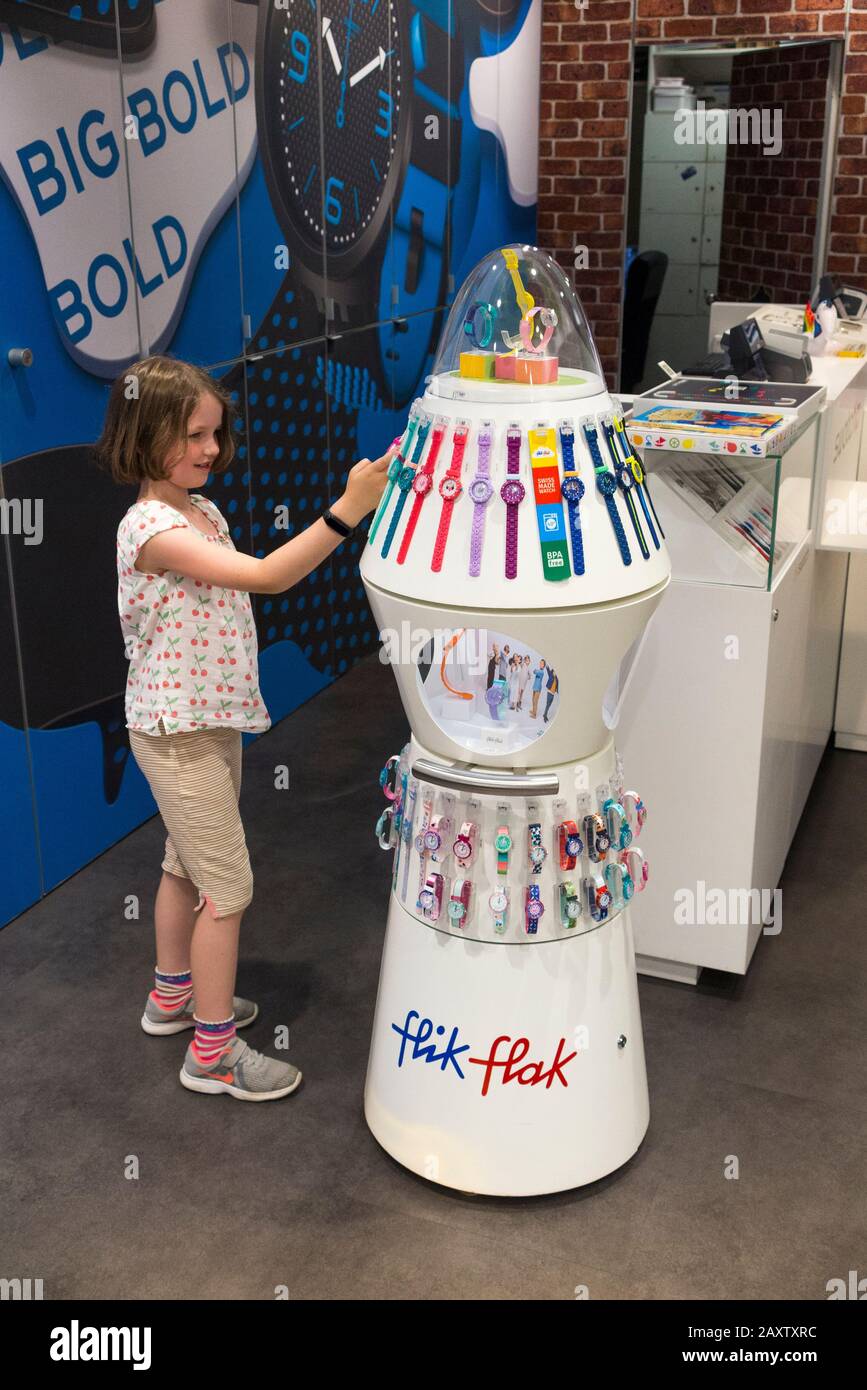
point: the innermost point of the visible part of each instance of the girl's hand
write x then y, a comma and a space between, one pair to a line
364, 486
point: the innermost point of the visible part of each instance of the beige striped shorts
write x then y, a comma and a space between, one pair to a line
195, 779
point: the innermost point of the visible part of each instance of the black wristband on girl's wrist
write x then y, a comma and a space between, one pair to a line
336, 524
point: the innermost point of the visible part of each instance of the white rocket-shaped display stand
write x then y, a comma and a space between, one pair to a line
507, 1055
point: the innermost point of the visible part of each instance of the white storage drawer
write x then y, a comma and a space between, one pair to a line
660, 144
678, 236
673, 187
680, 293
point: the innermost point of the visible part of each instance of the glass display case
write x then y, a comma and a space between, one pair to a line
731, 518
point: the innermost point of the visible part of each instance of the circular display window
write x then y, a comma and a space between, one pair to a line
489, 692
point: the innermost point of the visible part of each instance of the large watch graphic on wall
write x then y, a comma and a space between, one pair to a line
364, 197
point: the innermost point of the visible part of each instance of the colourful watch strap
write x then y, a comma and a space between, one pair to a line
481, 491
639, 476
606, 484
549, 504
533, 896
625, 481
450, 491
512, 493
425, 472
394, 469
572, 488
503, 854
404, 483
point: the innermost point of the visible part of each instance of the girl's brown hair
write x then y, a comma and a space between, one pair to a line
149, 407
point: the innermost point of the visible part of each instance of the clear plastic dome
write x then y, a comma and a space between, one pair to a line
516, 322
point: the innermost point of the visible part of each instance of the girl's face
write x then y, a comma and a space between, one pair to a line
192, 466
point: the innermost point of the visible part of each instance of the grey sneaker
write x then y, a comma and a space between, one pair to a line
243, 1072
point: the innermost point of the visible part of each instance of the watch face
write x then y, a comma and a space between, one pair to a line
535, 910
481, 490
503, 843
512, 492
606, 483
498, 902
625, 478
426, 899
432, 840
422, 483
456, 911
574, 846
357, 66
406, 479
603, 843
462, 849
538, 854
573, 908
572, 489
603, 898
450, 488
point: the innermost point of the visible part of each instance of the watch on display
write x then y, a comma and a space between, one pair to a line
536, 850
636, 811
570, 844
430, 899
480, 492
498, 902
598, 898
422, 484
596, 836
625, 481
405, 480
435, 837
513, 493
619, 831
450, 491
464, 847
459, 902
640, 478
606, 484
570, 904
502, 844
638, 867
533, 909
395, 468
572, 491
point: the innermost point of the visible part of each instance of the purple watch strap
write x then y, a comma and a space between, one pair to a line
477, 535
513, 447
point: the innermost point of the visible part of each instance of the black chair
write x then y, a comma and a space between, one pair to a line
643, 287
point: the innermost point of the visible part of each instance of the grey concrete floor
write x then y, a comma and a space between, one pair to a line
231, 1200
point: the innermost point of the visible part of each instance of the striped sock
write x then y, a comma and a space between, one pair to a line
172, 992
211, 1039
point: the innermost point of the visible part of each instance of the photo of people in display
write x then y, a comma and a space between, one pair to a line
486, 690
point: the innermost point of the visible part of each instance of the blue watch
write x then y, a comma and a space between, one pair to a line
404, 482
607, 485
572, 489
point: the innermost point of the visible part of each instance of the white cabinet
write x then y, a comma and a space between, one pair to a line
681, 214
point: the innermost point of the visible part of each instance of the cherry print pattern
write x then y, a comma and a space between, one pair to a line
194, 654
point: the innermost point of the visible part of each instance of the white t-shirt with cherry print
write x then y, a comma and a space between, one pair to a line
192, 647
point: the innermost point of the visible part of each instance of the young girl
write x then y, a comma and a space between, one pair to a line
193, 686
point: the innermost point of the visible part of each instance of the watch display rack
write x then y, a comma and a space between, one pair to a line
512, 567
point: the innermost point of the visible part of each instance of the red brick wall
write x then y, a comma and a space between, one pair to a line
583, 132
771, 202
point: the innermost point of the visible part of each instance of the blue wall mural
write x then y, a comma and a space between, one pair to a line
286, 192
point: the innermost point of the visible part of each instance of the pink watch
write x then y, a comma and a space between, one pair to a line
430, 899
636, 811
422, 484
464, 847
450, 491
639, 871
513, 493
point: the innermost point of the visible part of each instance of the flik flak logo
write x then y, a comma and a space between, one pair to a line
420, 1040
